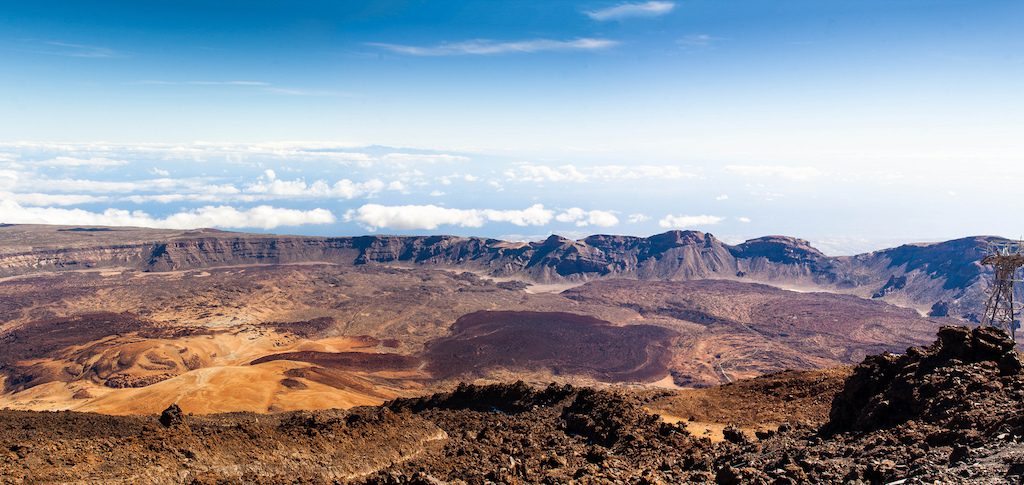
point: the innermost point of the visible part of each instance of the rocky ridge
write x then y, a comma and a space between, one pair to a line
951, 412
945, 278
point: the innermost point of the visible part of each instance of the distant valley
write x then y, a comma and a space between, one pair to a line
127, 321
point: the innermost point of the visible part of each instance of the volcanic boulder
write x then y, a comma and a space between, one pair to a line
927, 384
172, 416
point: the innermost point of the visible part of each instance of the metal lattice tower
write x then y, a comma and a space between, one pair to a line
1000, 312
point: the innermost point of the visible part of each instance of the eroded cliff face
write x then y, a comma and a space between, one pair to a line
942, 278
130, 255
675, 255
200, 253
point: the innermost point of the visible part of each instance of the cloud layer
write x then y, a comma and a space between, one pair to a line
258, 185
270, 185
528, 172
260, 217
429, 217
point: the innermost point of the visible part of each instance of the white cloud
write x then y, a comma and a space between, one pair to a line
722, 197
783, 171
159, 172
37, 199
436, 193
632, 10
270, 185
169, 198
682, 222
636, 172
81, 162
253, 153
571, 215
638, 218
348, 189
601, 219
33, 182
375, 216
528, 172
160, 198
263, 217
745, 220
583, 218
429, 217
535, 215
489, 47
8, 179
27, 182
451, 178
542, 173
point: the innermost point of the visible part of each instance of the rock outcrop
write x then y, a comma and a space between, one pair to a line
927, 383
172, 416
951, 412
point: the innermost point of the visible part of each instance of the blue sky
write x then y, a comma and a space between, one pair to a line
855, 124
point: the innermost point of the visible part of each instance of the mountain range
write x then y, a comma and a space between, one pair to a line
937, 279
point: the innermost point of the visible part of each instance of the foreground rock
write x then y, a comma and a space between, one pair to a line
951, 412
930, 383
304, 447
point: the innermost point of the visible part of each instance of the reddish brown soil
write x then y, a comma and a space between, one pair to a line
564, 343
47, 338
317, 327
302, 447
363, 361
54, 328
336, 378
948, 413
762, 401
742, 330
44, 337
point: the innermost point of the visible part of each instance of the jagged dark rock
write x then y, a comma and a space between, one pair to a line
605, 418
733, 434
509, 398
886, 390
172, 416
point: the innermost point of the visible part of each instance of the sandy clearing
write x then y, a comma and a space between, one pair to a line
712, 431
223, 389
